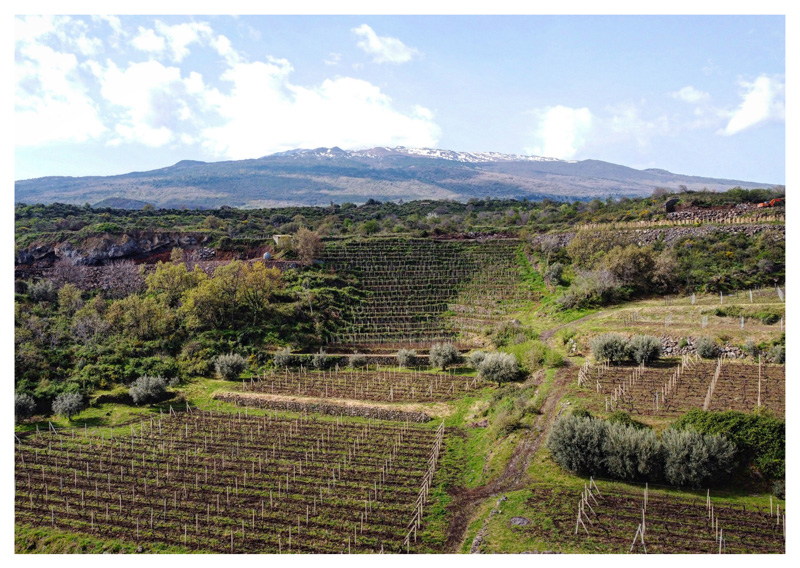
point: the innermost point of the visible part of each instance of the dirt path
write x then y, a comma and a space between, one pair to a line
466, 501
547, 334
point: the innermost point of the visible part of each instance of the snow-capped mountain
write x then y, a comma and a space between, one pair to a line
384, 151
324, 175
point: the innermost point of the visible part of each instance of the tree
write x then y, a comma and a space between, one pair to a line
499, 368
68, 404
148, 389
42, 291
610, 347
443, 354
259, 285
576, 444
171, 281
356, 361
693, 459
69, 299
706, 347
307, 245
283, 358
632, 265
406, 357
24, 406
476, 358
644, 349
230, 366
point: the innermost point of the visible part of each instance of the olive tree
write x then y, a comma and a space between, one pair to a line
406, 357
148, 389
610, 347
443, 354
68, 404
230, 366
644, 349
499, 368
24, 406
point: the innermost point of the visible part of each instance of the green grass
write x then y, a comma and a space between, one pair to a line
29, 540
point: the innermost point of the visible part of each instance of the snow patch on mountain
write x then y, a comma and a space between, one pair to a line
433, 153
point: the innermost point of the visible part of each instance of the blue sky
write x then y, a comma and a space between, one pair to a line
699, 95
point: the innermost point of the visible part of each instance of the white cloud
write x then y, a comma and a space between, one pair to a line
265, 112
691, 95
148, 41
149, 101
51, 102
561, 131
762, 101
333, 59
174, 40
383, 49
625, 122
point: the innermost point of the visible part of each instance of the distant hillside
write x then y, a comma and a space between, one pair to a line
325, 175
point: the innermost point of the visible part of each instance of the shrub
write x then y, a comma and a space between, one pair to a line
320, 360
443, 354
644, 349
24, 406
357, 361
779, 489
706, 347
693, 459
148, 389
511, 332
777, 354
68, 404
610, 346
554, 273
592, 288
283, 358
499, 368
406, 357
476, 358
632, 453
576, 444
750, 348
42, 291
230, 366
759, 437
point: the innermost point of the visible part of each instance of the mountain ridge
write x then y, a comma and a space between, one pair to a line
323, 175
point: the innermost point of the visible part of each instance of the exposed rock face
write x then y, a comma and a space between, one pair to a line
108, 248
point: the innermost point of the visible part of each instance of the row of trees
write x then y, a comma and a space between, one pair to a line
682, 457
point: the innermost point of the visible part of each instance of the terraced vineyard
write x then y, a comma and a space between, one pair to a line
384, 386
215, 482
414, 285
610, 518
667, 390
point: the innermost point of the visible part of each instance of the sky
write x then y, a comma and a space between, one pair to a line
696, 95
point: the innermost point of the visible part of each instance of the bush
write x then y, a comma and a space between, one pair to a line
443, 354
644, 349
231, 366
499, 368
610, 346
42, 291
693, 459
706, 347
576, 444
357, 361
750, 348
68, 404
283, 358
407, 358
511, 332
540, 355
779, 489
554, 273
148, 389
476, 358
24, 406
777, 354
593, 288
622, 417
759, 437
320, 361
632, 453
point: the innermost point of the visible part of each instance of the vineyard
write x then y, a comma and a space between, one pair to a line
379, 385
625, 520
423, 291
668, 390
234, 483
